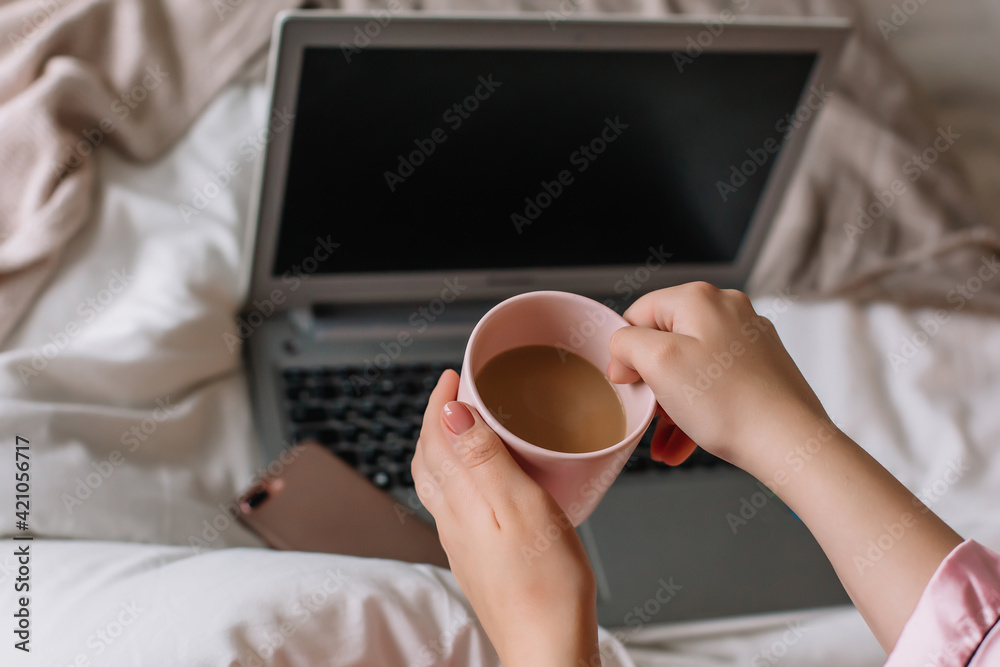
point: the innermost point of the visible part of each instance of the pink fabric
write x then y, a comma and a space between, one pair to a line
955, 621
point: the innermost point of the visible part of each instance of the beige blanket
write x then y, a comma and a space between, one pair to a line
79, 76
868, 215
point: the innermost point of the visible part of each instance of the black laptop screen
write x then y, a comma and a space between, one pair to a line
437, 160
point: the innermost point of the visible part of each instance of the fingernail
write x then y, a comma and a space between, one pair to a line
457, 417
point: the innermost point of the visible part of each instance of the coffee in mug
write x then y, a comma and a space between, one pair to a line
552, 398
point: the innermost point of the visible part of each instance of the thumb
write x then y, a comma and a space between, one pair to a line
644, 353
480, 450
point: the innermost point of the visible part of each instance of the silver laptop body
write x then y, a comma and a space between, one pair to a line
421, 168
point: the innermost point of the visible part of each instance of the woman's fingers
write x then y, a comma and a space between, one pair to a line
670, 444
483, 457
431, 466
642, 351
460, 462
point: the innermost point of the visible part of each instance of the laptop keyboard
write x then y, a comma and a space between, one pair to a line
373, 426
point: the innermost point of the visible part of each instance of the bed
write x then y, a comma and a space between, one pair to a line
140, 433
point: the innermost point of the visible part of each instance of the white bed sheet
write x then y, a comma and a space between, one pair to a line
161, 338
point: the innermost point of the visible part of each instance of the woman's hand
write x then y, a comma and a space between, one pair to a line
720, 373
510, 546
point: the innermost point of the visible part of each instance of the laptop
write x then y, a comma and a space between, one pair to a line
422, 168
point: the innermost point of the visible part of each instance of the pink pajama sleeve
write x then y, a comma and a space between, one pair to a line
955, 621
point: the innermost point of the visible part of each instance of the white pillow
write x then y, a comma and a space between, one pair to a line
109, 603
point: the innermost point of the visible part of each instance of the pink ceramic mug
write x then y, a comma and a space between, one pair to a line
575, 323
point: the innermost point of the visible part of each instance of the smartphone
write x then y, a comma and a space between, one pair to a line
319, 503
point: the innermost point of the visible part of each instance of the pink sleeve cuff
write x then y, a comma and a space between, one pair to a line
955, 621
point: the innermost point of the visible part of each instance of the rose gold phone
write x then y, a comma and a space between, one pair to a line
318, 503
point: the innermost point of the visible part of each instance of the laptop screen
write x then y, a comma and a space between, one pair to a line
445, 159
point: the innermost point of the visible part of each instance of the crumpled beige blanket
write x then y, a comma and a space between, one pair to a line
79, 76
877, 209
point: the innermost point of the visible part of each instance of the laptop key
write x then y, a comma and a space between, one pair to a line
296, 392
302, 414
337, 410
403, 428
324, 392
293, 374
316, 375
385, 387
382, 459
328, 436
349, 456
356, 389
419, 405
369, 456
399, 453
378, 430
348, 432
407, 387
301, 435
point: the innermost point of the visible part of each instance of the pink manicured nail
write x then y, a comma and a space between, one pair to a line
457, 417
